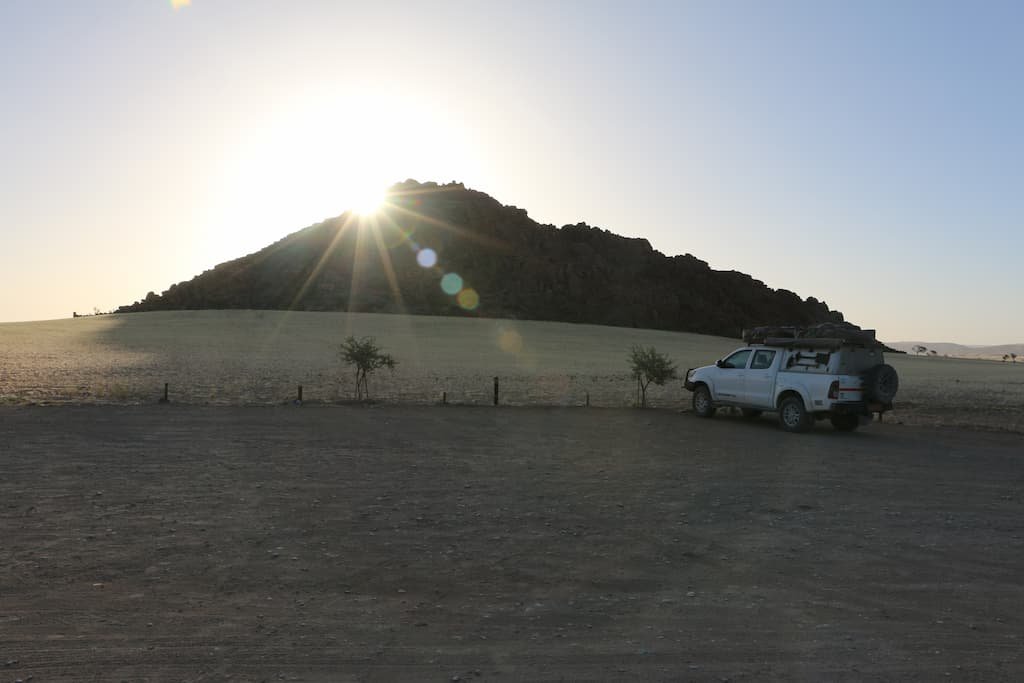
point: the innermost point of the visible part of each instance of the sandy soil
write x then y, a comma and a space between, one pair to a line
170, 543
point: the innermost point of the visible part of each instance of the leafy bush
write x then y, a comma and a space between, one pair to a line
366, 357
648, 365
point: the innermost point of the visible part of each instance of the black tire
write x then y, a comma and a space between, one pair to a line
881, 383
793, 416
703, 406
844, 423
750, 413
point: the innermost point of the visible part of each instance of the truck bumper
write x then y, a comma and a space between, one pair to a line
686, 380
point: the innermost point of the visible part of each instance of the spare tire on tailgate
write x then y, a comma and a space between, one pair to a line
881, 383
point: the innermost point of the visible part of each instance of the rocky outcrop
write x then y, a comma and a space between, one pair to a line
395, 261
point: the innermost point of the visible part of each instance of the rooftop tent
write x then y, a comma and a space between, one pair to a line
821, 335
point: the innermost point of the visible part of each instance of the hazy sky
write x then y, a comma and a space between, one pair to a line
868, 154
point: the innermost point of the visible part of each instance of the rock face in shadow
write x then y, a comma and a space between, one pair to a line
514, 267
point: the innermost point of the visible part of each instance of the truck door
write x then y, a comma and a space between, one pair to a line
759, 383
732, 373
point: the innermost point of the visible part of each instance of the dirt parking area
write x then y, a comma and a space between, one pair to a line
171, 543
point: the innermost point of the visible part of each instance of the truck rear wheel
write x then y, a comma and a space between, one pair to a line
702, 403
793, 416
844, 423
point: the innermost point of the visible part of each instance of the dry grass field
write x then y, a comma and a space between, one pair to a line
260, 357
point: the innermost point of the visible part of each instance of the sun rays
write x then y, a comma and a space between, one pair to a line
376, 240
388, 222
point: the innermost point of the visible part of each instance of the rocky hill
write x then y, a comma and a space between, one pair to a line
447, 250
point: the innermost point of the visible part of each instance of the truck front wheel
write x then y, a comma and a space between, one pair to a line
793, 416
702, 403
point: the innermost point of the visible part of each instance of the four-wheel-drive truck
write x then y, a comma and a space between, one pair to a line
804, 374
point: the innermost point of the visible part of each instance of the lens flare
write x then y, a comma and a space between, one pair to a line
427, 258
178, 4
451, 283
510, 341
468, 299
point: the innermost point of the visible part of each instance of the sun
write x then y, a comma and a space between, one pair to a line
327, 149
366, 200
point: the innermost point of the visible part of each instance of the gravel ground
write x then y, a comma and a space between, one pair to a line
170, 543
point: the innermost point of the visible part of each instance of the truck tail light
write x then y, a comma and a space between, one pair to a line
833, 390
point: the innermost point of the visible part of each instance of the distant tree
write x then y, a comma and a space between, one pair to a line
1013, 358
366, 357
648, 365
1006, 357
920, 349
934, 352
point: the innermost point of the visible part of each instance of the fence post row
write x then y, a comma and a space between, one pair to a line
444, 395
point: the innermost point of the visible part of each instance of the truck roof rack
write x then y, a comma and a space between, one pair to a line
804, 343
824, 335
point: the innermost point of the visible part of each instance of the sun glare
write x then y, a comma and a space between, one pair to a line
365, 201
325, 151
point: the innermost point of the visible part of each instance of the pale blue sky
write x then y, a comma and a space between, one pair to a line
868, 154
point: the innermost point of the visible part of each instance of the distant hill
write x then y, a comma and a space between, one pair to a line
430, 242
962, 350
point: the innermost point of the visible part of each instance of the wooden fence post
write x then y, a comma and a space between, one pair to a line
165, 399
495, 391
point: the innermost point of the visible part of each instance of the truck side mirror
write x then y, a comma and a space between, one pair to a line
719, 363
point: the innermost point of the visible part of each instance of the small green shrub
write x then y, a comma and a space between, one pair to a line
366, 357
647, 366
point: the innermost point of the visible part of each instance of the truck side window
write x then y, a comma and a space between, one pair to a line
762, 360
738, 360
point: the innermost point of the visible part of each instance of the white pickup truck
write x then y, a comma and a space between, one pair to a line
842, 377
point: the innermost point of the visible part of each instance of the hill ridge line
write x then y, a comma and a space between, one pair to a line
448, 250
